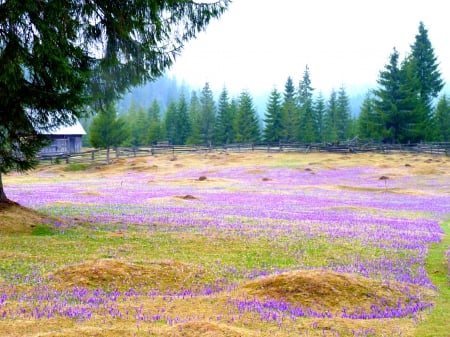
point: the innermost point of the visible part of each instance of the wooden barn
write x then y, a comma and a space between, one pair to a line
65, 140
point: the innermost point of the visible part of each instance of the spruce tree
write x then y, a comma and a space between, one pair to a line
155, 127
194, 137
320, 111
428, 82
246, 121
330, 132
170, 122
183, 122
207, 116
441, 120
107, 130
273, 131
369, 124
342, 115
290, 112
307, 128
224, 125
138, 124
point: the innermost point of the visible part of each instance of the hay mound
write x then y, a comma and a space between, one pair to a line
113, 273
16, 219
202, 329
186, 197
326, 290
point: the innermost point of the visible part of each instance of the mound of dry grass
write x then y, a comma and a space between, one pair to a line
16, 219
326, 290
203, 329
114, 273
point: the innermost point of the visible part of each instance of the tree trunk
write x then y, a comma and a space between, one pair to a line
3, 197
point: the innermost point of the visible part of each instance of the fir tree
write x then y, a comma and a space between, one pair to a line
307, 129
342, 116
290, 112
369, 125
273, 131
107, 130
224, 126
196, 122
441, 120
207, 112
170, 122
183, 122
154, 118
330, 132
319, 111
246, 122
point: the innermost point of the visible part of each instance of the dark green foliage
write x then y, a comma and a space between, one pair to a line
225, 116
57, 57
330, 132
319, 111
370, 125
170, 121
441, 120
307, 128
207, 115
155, 132
246, 122
194, 115
342, 115
107, 130
290, 112
183, 122
273, 131
138, 124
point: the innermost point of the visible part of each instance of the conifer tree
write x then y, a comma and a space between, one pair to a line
428, 82
155, 127
290, 112
224, 125
194, 115
273, 131
138, 124
107, 130
342, 115
369, 125
170, 122
330, 132
307, 128
441, 120
246, 121
183, 122
207, 112
320, 111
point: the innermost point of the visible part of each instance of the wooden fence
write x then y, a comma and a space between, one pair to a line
99, 156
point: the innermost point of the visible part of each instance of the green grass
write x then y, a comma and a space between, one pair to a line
437, 323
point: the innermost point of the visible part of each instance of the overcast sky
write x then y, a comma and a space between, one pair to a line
257, 44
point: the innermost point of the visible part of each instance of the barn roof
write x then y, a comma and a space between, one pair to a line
76, 129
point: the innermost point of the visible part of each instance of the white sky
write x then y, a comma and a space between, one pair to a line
257, 44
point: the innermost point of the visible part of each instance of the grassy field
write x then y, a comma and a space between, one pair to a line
229, 245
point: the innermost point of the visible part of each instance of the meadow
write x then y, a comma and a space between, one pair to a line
218, 244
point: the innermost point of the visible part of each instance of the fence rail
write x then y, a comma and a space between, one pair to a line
100, 155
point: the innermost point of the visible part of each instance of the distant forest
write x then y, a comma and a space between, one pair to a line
406, 106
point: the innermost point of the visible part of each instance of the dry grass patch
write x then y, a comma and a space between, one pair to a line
16, 219
114, 273
325, 290
205, 329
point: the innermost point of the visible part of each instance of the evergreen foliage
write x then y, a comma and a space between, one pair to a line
273, 131
290, 112
307, 129
225, 116
59, 57
246, 122
441, 120
107, 130
207, 110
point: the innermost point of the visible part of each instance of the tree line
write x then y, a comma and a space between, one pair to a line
401, 109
